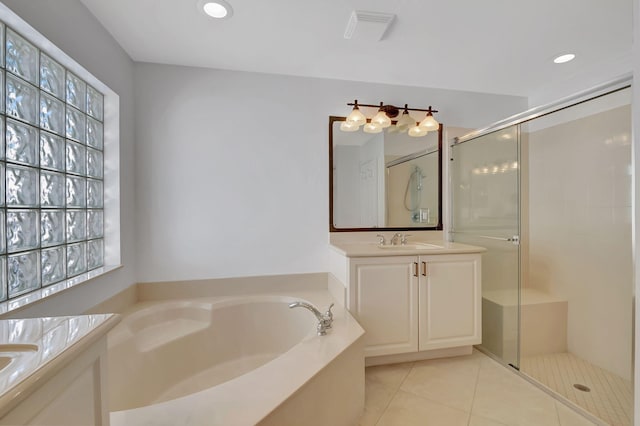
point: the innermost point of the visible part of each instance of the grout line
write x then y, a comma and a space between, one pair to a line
409, 370
475, 391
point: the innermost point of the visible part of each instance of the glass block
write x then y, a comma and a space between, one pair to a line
95, 133
23, 272
22, 186
76, 123
22, 230
3, 278
94, 193
76, 91
52, 227
95, 224
95, 254
95, 103
2, 99
76, 192
54, 263
3, 183
76, 158
52, 150
2, 136
22, 143
21, 100
76, 225
3, 240
21, 57
51, 114
52, 186
75, 127
1, 56
76, 260
94, 163
52, 77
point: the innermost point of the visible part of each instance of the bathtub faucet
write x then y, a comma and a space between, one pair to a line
324, 320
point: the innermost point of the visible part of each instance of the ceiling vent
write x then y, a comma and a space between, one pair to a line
368, 26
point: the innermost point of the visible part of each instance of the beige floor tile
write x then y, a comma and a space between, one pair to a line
407, 409
389, 375
569, 417
506, 398
481, 421
450, 381
377, 397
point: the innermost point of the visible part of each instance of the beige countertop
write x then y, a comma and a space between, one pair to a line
412, 248
33, 350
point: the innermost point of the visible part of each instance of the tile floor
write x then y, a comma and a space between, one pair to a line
610, 397
472, 390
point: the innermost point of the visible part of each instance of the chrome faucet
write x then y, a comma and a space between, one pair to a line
399, 238
324, 320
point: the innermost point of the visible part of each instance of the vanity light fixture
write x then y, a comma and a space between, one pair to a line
218, 9
356, 117
383, 118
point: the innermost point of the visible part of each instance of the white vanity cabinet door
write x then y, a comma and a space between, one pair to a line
450, 302
383, 297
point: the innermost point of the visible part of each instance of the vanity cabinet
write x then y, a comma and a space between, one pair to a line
416, 303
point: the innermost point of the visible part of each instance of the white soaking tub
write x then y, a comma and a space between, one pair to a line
234, 361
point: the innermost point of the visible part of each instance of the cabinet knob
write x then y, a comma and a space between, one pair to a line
424, 269
415, 269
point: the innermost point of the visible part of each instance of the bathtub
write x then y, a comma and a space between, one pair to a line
234, 361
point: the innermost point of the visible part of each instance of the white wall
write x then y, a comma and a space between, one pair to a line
232, 167
72, 28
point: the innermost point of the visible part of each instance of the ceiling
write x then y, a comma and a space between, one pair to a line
491, 46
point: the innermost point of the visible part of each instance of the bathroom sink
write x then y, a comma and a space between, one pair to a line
411, 246
18, 347
4, 361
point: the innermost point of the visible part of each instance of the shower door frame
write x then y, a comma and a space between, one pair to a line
622, 82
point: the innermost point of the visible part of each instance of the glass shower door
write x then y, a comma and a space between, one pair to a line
485, 180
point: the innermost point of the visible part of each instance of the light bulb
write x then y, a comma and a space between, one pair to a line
405, 122
347, 126
216, 8
381, 119
372, 128
429, 123
417, 131
356, 117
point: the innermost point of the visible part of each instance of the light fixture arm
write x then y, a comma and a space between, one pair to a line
387, 108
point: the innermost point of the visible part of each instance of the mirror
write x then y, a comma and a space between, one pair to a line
384, 181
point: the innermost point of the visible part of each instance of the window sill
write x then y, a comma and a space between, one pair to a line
48, 291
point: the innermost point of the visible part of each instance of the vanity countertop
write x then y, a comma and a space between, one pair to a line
33, 350
412, 248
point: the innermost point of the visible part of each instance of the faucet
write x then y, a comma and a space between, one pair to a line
324, 320
399, 238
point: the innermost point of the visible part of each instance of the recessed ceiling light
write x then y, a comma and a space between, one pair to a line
564, 58
216, 9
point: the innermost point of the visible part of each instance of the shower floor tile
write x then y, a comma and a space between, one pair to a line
610, 397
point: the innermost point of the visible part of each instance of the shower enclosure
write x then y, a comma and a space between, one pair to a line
549, 195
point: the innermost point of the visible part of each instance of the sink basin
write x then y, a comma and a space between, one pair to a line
4, 361
411, 246
18, 347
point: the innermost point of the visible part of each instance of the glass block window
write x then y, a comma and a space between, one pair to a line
51, 170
